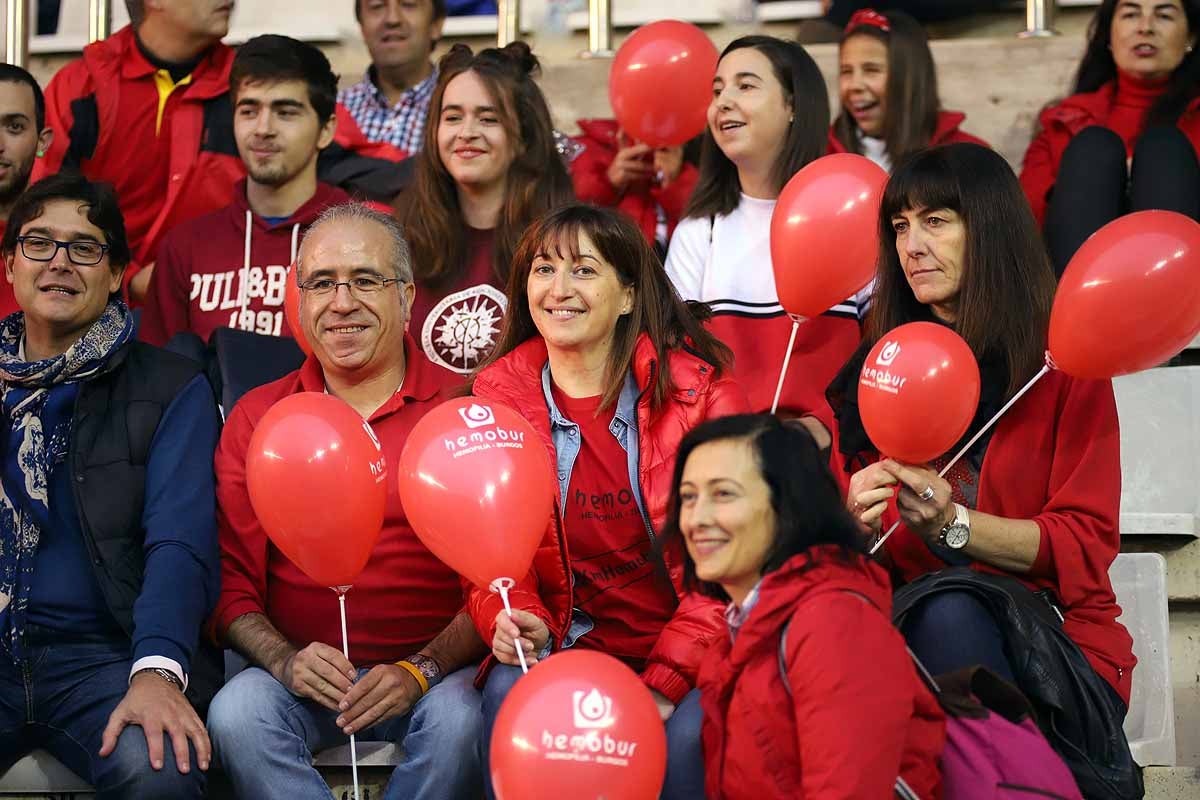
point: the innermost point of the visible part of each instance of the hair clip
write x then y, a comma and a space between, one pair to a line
871, 17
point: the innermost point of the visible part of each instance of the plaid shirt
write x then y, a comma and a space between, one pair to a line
401, 125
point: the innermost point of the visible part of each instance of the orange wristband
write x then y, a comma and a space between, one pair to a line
416, 673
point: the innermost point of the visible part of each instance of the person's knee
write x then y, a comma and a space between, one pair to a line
241, 707
683, 728
500, 682
1163, 145
127, 773
452, 713
950, 611
1095, 148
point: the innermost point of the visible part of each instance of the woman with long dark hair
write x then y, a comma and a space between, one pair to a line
794, 707
889, 91
487, 168
1022, 530
612, 369
1126, 139
768, 118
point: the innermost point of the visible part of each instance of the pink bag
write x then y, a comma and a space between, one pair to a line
994, 751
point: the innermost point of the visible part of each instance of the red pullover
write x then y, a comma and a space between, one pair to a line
218, 272
404, 597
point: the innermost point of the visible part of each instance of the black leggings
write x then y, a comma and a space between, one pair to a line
1094, 187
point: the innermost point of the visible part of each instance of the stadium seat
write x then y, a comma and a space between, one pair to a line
1140, 583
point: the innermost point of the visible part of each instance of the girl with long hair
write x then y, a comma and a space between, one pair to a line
768, 118
487, 168
888, 88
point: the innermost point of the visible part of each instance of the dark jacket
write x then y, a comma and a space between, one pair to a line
115, 421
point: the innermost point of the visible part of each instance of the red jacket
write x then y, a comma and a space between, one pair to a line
1055, 458
516, 380
1059, 124
589, 174
197, 284
945, 132
82, 103
404, 597
857, 715
8, 300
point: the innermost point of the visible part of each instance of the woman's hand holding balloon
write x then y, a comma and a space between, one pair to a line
867, 499
524, 627
924, 502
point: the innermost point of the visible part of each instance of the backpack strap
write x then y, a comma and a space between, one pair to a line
902, 789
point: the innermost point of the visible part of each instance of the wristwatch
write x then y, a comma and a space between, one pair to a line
166, 675
427, 667
957, 533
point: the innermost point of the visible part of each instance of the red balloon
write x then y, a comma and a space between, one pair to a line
291, 311
661, 82
1130, 298
318, 485
825, 233
478, 488
580, 725
918, 391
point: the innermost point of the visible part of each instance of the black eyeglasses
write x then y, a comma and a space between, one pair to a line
81, 253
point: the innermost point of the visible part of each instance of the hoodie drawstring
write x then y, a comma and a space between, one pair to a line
244, 289
295, 241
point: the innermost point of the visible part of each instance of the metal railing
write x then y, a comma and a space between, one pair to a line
99, 19
1039, 19
16, 32
508, 18
600, 29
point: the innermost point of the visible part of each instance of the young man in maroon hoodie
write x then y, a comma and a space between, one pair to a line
228, 269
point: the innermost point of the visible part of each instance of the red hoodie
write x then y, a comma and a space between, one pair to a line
8, 301
203, 280
947, 131
857, 715
589, 173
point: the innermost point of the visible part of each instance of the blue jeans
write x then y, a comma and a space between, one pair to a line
685, 755
60, 698
951, 630
264, 736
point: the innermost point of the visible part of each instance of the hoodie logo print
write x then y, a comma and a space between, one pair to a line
461, 330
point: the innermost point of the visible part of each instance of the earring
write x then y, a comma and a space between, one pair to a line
41, 153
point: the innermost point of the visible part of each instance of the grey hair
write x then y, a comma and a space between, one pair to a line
401, 256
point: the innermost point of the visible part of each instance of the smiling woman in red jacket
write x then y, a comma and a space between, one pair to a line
1126, 139
1037, 499
794, 707
889, 92
612, 369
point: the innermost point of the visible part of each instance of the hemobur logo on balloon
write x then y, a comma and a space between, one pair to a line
590, 741
484, 432
379, 465
883, 379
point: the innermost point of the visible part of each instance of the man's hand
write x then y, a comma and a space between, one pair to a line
523, 627
386, 691
158, 707
318, 672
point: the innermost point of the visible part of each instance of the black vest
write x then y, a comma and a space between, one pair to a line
116, 416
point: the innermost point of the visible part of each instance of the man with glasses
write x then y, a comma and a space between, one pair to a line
108, 543
411, 678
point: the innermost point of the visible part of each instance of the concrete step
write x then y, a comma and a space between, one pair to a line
1172, 783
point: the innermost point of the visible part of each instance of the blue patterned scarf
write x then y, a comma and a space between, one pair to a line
25, 387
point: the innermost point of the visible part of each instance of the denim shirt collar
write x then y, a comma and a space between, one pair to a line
565, 435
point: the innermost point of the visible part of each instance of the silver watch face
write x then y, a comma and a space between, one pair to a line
956, 536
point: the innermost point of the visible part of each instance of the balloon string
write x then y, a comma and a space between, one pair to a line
787, 357
520, 650
346, 653
995, 418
